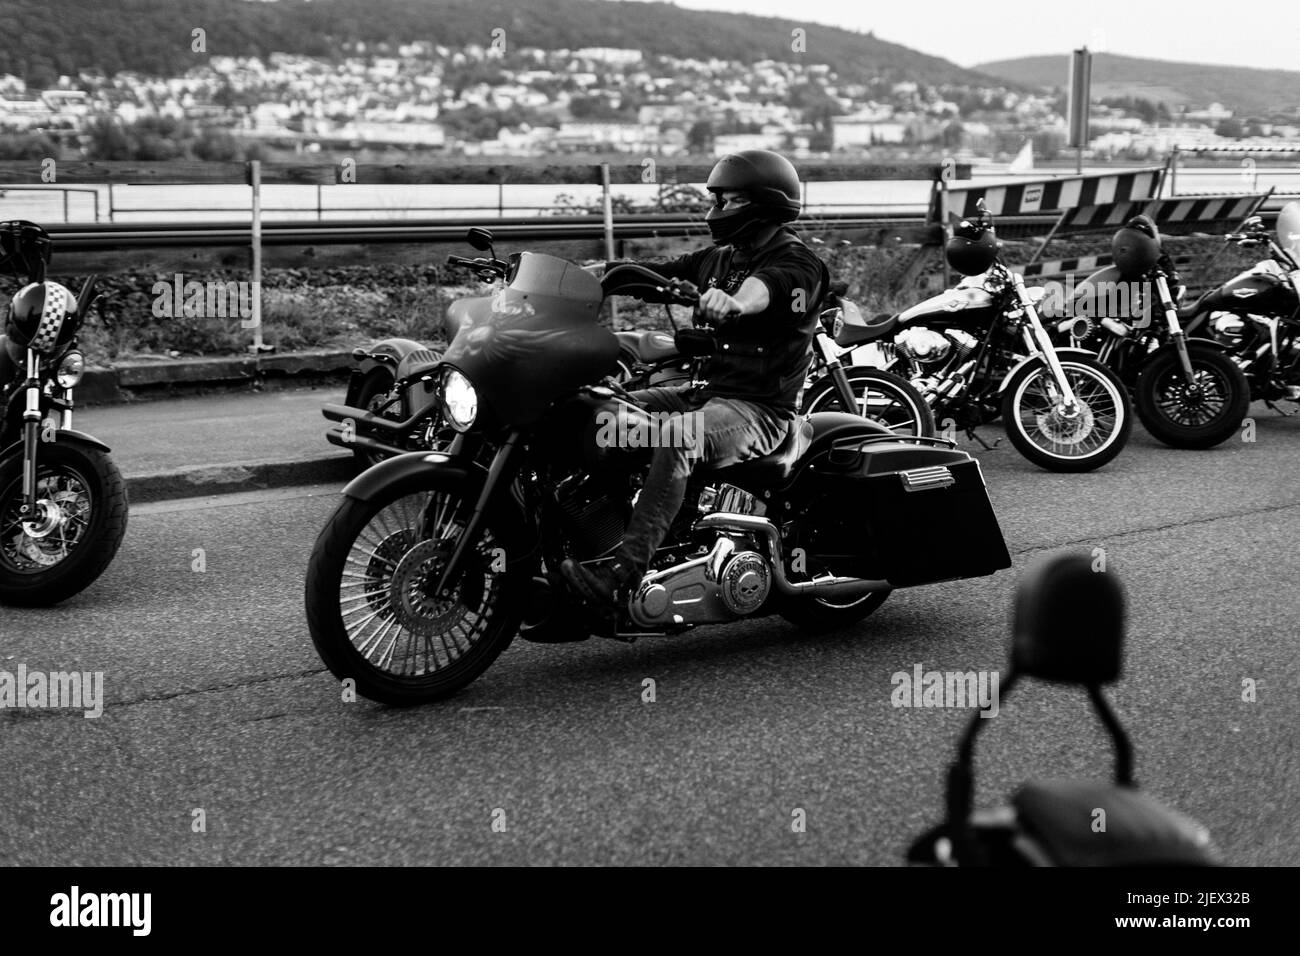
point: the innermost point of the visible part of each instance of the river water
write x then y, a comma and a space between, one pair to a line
207, 202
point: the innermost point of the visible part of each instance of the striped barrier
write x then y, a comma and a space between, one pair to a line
1081, 265
1199, 209
1065, 192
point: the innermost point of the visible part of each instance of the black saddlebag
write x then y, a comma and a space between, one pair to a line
905, 513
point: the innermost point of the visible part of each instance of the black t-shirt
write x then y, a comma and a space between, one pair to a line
763, 357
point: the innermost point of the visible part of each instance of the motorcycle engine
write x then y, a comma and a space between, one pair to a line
729, 580
595, 518
923, 345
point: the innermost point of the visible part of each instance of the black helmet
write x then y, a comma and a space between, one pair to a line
42, 317
1136, 247
769, 181
972, 248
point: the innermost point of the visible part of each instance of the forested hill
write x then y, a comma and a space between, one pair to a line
41, 39
1242, 89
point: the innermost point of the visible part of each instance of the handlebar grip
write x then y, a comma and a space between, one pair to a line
460, 261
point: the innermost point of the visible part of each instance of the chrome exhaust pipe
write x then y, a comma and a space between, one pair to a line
822, 587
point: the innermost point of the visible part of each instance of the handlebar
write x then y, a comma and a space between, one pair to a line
486, 268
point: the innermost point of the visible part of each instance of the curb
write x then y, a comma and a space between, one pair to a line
134, 380
202, 480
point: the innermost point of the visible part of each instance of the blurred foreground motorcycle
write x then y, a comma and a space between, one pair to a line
1069, 629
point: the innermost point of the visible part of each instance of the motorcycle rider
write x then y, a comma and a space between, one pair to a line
761, 287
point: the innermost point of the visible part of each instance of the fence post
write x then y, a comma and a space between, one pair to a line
609, 227
255, 181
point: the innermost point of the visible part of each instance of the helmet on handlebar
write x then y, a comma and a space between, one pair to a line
1136, 246
972, 248
42, 317
770, 183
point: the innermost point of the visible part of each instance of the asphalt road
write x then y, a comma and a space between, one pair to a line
217, 702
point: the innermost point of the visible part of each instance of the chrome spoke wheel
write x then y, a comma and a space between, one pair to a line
36, 544
387, 602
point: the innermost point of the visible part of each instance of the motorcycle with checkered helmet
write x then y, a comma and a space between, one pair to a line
63, 504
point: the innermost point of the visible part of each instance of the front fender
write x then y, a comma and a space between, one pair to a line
67, 436
1031, 358
427, 470
409, 468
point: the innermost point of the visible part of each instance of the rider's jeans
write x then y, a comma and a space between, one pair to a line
726, 431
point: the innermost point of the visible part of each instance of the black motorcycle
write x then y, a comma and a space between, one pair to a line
979, 351
433, 561
1187, 392
1069, 629
63, 505
1255, 316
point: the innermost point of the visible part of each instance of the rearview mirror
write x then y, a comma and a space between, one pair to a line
480, 239
1069, 622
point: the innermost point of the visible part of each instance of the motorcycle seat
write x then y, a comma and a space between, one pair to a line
776, 467
1139, 830
1192, 310
648, 347
877, 327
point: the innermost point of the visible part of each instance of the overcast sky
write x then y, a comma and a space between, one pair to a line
1263, 33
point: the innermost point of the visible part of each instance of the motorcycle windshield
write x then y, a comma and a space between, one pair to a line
1288, 228
953, 300
533, 341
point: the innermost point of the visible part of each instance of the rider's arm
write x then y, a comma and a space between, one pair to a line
791, 282
683, 267
752, 297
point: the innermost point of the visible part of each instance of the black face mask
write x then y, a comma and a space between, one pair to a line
729, 228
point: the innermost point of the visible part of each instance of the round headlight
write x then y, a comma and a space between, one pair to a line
459, 400
71, 368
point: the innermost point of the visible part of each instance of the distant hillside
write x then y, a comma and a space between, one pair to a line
41, 37
1196, 85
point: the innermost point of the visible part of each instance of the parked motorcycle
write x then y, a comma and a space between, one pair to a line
870, 392
432, 562
1187, 392
1068, 629
63, 504
1256, 315
980, 351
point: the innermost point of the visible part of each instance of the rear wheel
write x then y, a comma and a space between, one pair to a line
376, 391
882, 397
819, 615
1198, 414
370, 608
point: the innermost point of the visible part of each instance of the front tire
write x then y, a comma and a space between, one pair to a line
1200, 417
1041, 432
367, 592
882, 397
88, 490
